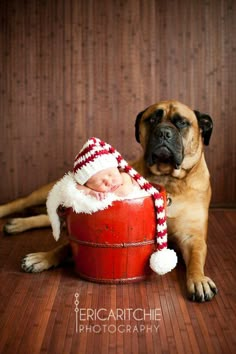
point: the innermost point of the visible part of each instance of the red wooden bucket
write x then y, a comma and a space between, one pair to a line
114, 245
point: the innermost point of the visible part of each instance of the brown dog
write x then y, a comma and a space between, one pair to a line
172, 138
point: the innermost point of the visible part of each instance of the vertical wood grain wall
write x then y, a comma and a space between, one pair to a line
70, 69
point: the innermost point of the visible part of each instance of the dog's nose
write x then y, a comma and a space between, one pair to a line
165, 133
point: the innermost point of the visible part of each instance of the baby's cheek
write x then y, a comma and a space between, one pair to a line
101, 188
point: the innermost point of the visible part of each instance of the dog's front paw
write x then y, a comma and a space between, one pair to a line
201, 288
14, 226
36, 262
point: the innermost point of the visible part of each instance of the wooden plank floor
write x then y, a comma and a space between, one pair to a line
37, 311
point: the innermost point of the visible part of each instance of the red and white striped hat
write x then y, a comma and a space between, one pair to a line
93, 157
97, 155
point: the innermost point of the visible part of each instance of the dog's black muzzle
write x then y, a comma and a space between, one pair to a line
165, 146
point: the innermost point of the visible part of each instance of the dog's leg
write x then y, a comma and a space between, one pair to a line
38, 197
16, 225
37, 262
200, 287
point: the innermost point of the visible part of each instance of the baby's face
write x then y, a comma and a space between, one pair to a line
107, 180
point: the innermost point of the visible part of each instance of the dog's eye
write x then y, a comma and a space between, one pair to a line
179, 121
152, 119
181, 124
156, 116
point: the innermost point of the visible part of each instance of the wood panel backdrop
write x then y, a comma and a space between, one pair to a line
71, 69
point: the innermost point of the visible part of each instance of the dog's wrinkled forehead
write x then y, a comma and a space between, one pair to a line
167, 110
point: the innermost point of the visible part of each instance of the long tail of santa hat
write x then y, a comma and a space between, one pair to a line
164, 259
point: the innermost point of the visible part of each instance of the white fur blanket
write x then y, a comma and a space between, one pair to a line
65, 193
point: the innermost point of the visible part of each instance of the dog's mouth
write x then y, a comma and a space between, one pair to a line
167, 151
165, 155
162, 154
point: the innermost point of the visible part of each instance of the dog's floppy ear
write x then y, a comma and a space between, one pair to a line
138, 118
206, 125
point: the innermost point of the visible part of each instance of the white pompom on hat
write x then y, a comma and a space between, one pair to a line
97, 155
